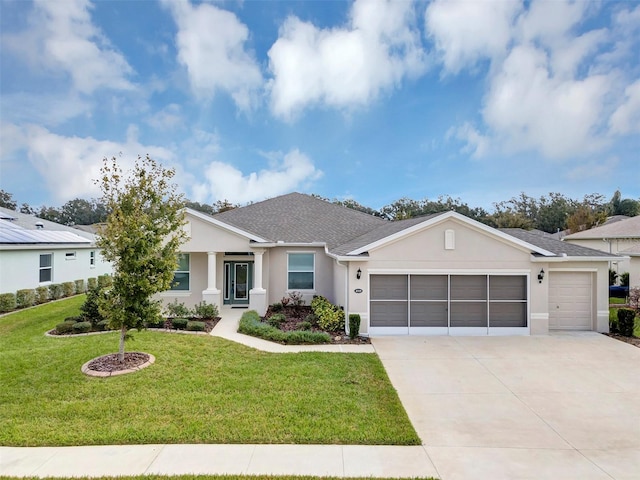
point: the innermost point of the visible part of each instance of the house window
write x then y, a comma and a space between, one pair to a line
70, 256
181, 275
92, 258
46, 268
301, 271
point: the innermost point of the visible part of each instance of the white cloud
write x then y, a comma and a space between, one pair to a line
549, 89
62, 38
344, 67
224, 181
43, 108
69, 165
169, 118
593, 169
210, 44
626, 118
465, 32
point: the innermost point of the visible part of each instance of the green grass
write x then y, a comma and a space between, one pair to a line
201, 389
617, 301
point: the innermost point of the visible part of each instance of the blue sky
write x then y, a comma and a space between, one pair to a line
370, 100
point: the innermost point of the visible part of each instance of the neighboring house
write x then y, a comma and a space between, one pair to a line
438, 274
620, 238
36, 252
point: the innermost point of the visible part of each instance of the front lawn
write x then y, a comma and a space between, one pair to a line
201, 389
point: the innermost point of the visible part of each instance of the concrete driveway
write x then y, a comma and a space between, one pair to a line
563, 406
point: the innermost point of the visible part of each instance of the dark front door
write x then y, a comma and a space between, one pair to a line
238, 280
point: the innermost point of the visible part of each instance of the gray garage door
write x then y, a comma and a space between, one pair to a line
448, 304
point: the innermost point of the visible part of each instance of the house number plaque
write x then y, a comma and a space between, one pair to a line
358, 290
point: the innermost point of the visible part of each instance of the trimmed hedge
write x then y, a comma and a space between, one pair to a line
7, 302
81, 327
250, 324
79, 286
55, 291
179, 323
354, 325
92, 283
68, 289
25, 298
42, 295
195, 326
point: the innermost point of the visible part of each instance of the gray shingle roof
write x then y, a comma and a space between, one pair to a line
557, 247
384, 230
629, 228
301, 218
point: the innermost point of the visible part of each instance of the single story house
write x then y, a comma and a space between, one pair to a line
440, 274
620, 238
35, 252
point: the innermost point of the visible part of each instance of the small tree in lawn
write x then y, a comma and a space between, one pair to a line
141, 238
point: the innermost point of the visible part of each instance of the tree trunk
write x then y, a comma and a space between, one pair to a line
123, 334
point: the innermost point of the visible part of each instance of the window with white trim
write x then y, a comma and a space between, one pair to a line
70, 256
92, 258
301, 271
182, 274
46, 267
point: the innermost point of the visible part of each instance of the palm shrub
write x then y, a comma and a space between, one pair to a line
25, 298
330, 317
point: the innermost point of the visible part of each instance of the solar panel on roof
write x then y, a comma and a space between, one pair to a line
10, 235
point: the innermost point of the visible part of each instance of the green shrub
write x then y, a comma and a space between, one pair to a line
7, 302
42, 295
626, 321
276, 307
64, 327
68, 289
179, 323
79, 285
250, 324
90, 310
55, 291
177, 310
206, 310
354, 325
75, 319
81, 327
102, 325
92, 283
312, 318
195, 326
276, 319
330, 317
613, 320
104, 281
25, 298
303, 326
624, 279
155, 323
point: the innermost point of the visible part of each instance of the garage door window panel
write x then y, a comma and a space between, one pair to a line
429, 314
389, 314
507, 301
468, 287
389, 302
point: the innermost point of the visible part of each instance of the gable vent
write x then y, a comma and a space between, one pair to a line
449, 240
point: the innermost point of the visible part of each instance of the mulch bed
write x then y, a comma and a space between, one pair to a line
110, 363
295, 315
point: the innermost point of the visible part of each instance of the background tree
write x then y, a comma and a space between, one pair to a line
141, 237
7, 201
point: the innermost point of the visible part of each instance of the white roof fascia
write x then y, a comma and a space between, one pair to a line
47, 246
460, 218
226, 226
575, 259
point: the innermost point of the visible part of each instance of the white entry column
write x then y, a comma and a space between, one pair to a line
258, 295
212, 293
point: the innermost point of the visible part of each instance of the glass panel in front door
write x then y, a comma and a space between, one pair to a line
241, 281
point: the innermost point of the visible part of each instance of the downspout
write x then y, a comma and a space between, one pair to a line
346, 295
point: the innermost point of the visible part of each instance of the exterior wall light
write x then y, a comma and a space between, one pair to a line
359, 274
541, 275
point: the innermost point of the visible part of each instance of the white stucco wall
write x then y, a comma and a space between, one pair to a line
20, 269
615, 246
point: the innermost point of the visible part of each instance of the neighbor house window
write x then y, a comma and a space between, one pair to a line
92, 258
46, 268
181, 275
70, 256
301, 271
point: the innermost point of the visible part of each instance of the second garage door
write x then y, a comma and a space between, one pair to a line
570, 300
448, 304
